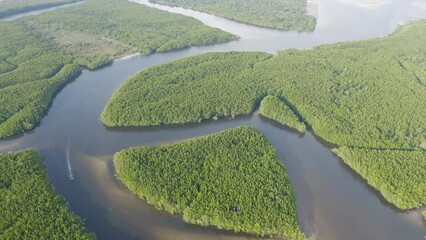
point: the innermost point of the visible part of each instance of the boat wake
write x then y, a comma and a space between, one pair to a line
70, 173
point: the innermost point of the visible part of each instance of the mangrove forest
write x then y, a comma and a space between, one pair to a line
232, 180
362, 95
29, 207
41, 54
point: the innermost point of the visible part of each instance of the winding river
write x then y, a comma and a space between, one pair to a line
333, 201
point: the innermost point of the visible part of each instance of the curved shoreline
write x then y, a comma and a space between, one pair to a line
80, 103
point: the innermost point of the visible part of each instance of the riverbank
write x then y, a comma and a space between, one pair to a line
327, 191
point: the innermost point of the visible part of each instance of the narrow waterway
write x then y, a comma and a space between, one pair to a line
40, 11
333, 202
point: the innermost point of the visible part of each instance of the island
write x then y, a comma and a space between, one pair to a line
290, 15
40, 54
25, 185
232, 180
368, 97
207, 86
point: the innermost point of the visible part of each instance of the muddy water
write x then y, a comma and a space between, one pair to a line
333, 202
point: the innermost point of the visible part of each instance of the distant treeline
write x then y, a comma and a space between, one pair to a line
232, 180
29, 207
98, 31
278, 14
12, 7
40, 54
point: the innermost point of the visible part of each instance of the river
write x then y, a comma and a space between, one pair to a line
39, 11
333, 201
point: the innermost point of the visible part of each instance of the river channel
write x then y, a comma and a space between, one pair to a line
333, 201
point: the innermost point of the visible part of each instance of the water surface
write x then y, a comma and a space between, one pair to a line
39, 11
333, 202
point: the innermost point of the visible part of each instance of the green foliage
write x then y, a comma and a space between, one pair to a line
98, 31
23, 105
399, 175
39, 54
29, 208
368, 94
205, 178
12, 7
272, 107
189, 90
424, 214
279, 14
36, 72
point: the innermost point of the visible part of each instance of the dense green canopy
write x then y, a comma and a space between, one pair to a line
232, 180
369, 95
399, 175
24, 186
274, 108
188, 90
40, 54
31, 72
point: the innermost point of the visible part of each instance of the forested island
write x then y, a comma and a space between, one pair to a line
40, 54
279, 14
365, 95
207, 86
12, 7
232, 180
29, 207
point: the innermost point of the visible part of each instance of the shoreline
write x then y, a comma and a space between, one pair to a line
129, 56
